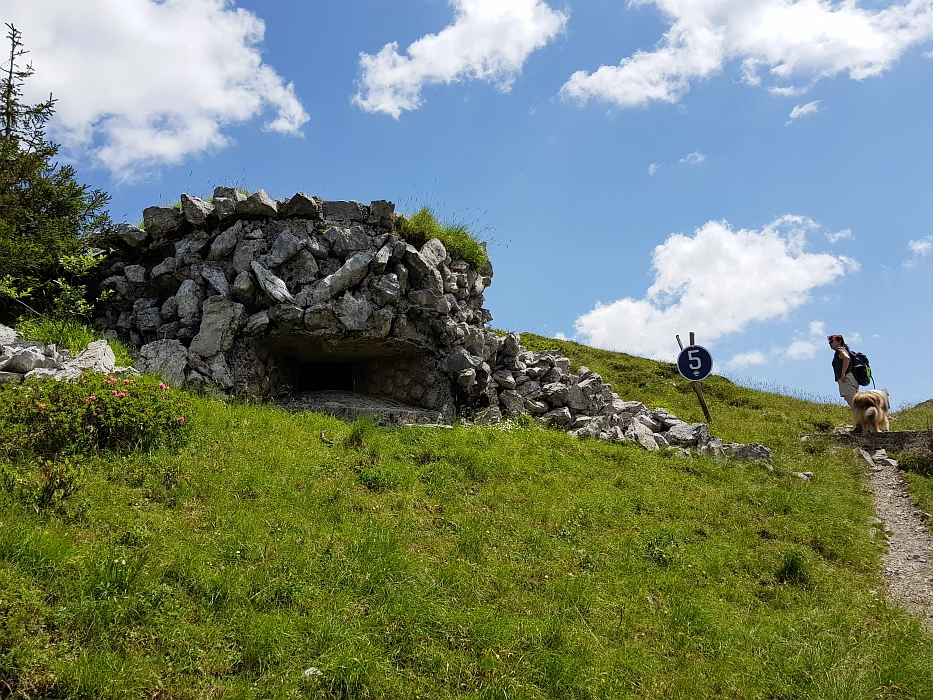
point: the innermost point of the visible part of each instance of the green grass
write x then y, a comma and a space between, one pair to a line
70, 334
457, 238
481, 562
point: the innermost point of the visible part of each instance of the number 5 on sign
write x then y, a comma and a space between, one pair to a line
695, 363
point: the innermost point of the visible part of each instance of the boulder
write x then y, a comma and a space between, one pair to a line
348, 275
285, 247
302, 206
220, 322
688, 434
353, 312
258, 204
132, 236
25, 359
7, 335
345, 211
216, 279
135, 273
224, 244
560, 417
196, 210
160, 222
167, 359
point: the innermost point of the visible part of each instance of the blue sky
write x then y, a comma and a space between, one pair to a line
757, 172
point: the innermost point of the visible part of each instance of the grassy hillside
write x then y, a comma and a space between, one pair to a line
289, 556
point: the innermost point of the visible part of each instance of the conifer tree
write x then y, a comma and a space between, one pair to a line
47, 218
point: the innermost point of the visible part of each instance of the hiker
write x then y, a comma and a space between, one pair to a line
848, 385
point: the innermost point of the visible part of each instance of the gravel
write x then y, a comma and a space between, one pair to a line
908, 572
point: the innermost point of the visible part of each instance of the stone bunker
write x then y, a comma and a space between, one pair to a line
272, 298
306, 301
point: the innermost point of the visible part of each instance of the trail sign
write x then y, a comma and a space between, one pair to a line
695, 362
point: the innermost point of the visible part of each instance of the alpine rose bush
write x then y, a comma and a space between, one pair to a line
46, 418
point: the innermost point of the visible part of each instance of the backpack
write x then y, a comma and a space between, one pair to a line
859, 368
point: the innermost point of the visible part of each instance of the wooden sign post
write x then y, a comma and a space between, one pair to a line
695, 363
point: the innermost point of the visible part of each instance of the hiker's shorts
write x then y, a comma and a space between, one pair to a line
849, 386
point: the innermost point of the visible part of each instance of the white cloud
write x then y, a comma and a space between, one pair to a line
746, 359
488, 40
802, 349
803, 111
141, 83
693, 158
808, 38
653, 168
920, 248
560, 336
843, 235
715, 282
788, 91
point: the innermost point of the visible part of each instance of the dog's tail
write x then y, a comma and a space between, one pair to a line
871, 415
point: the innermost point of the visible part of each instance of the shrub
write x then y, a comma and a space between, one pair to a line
47, 418
458, 240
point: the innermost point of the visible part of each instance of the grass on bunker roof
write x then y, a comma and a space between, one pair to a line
477, 562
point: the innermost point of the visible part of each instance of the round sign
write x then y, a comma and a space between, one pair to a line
695, 362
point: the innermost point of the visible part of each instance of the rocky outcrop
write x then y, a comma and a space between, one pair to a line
21, 360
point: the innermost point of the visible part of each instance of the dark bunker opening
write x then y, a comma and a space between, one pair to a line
323, 376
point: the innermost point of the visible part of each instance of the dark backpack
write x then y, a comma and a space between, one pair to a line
859, 368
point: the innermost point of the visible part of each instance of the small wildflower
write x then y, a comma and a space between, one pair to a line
42, 406
93, 398
181, 419
163, 386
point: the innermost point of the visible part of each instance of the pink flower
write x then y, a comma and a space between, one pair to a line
162, 386
181, 419
42, 406
114, 392
93, 398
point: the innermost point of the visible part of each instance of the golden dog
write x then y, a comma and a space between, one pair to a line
870, 409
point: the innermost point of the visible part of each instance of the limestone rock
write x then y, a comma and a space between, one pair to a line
344, 241
353, 312
221, 320
511, 402
7, 335
258, 204
167, 359
257, 323
224, 244
386, 290
345, 211
271, 284
160, 222
135, 273
285, 247
132, 236
196, 210
216, 279
166, 267
96, 357
302, 206
348, 275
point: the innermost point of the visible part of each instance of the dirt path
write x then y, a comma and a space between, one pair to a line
908, 564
